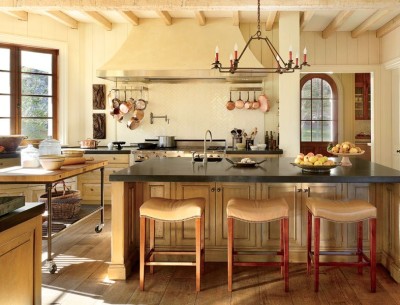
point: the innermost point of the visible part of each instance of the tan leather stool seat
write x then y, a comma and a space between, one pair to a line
250, 210
257, 210
172, 210
341, 211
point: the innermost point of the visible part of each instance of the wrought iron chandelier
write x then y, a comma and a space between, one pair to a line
281, 66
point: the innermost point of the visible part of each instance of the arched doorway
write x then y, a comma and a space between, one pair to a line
318, 113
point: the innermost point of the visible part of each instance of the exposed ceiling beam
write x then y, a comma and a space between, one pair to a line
100, 19
21, 15
270, 20
201, 18
363, 27
305, 18
236, 18
63, 18
165, 16
130, 16
336, 23
388, 27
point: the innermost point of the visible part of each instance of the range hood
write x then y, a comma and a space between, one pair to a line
184, 51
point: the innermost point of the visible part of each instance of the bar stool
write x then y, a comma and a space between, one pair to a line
171, 210
259, 211
344, 212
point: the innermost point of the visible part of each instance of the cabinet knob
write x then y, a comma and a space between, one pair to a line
218, 189
299, 190
212, 190
398, 151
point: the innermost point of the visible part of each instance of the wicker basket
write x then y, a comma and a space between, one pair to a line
65, 203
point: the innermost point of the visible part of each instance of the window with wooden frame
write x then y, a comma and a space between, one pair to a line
318, 113
28, 91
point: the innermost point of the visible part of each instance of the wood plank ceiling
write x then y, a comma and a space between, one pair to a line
328, 17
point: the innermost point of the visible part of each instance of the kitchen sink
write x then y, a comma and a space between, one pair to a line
209, 159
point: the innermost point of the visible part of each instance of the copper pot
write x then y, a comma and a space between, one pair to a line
230, 105
89, 143
239, 104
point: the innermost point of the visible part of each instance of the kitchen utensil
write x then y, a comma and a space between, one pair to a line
133, 123
140, 104
119, 144
264, 103
166, 141
125, 107
256, 103
147, 145
138, 114
239, 104
51, 162
248, 104
89, 143
230, 105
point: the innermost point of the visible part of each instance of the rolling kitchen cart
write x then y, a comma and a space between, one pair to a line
19, 175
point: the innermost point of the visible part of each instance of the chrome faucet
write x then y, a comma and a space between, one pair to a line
205, 148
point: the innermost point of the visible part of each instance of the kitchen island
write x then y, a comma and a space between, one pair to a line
217, 182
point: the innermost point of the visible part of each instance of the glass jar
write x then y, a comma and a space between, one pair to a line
30, 157
49, 146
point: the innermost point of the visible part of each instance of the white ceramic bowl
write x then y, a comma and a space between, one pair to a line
261, 146
73, 153
253, 147
51, 162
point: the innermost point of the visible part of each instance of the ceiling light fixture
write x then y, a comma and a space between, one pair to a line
281, 66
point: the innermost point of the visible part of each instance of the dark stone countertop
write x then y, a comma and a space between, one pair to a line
231, 151
272, 170
20, 215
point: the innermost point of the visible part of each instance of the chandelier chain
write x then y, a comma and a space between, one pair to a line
258, 19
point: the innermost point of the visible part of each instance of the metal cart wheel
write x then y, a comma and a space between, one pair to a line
52, 268
99, 228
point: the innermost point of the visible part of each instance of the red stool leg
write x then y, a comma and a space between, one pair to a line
372, 247
360, 245
282, 245
316, 252
285, 238
142, 252
309, 230
203, 249
230, 253
198, 253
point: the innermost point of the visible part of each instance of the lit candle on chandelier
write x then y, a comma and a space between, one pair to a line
305, 54
297, 59
235, 48
231, 60
216, 53
290, 52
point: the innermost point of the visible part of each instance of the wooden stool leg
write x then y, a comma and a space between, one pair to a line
230, 253
198, 253
360, 245
285, 238
203, 248
372, 247
152, 242
142, 252
309, 230
316, 252
282, 245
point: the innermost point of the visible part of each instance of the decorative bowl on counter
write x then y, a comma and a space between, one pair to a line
254, 147
345, 157
51, 162
11, 143
261, 146
240, 146
315, 168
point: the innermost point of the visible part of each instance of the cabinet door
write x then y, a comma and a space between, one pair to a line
185, 231
244, 233
332, 234
270, 232
162, 229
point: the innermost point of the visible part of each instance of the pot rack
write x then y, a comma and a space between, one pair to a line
246, 89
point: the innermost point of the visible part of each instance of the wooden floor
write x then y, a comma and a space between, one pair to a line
82, 257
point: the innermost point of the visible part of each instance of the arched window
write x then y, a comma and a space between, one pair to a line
318, 113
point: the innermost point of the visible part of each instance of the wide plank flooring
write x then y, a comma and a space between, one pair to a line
82, 258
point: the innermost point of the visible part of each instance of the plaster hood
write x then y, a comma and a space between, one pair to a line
183, 51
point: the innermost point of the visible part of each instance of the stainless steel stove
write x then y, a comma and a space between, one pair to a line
184, 148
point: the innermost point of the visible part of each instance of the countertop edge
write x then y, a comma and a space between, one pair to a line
21, 215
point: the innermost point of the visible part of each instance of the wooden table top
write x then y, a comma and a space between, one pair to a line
17, 174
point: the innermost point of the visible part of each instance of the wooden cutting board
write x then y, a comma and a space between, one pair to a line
76, 160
